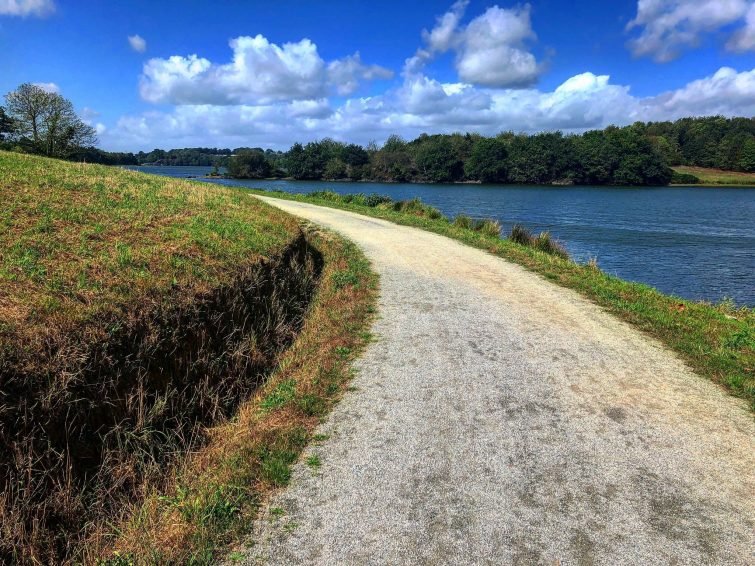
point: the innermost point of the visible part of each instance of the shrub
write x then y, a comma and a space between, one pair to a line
463, 221
521, 235
488, 227
684, 179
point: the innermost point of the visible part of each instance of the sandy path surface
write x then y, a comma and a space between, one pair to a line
501, 419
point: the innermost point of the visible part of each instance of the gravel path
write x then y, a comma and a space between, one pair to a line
501, 419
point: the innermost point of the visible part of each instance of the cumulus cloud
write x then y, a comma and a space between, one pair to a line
726, 92
744, 38
493, 52
23, 8
346, 74
490, 51
260, 72
667, 27
422, 104
137, 43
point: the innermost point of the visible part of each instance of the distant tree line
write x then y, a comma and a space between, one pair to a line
717, 142
640, 154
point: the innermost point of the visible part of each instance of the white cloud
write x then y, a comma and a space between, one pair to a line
669, 26
493, 52
726, 92
48, 87
89, 114
490, 51
259, 73
137, 43
23, 8
744, 38
440, 39
345, 74
422, 104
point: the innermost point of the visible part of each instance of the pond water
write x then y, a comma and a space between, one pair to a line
697, 243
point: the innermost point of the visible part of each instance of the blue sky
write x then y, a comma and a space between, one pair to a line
269, 73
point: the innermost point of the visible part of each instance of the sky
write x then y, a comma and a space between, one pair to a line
171, 74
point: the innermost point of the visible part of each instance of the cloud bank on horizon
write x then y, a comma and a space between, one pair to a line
270, 94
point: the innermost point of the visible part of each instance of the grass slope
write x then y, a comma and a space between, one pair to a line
718, 177
79, 241
134, 311
717, 341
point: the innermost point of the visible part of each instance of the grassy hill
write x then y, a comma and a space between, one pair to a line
134, 312
717, 177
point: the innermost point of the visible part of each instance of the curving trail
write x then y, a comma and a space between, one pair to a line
501, 419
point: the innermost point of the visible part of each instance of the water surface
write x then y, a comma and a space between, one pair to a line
697, 243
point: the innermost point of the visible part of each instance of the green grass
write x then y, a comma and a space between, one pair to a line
717, 177
78, 242
716, 340
314, 462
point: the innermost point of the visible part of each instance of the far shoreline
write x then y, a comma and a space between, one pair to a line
474, 183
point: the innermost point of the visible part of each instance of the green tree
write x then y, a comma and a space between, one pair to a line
47, 123
249, 164
335, 169
747, 156
488, 161
294, 161
436, 160
392, 162
6, 125
668, 149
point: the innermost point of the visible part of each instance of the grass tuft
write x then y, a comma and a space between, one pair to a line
463, 221
488, 227
543, 242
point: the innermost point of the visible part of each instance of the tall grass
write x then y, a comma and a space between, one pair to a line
543, 241
488, 227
